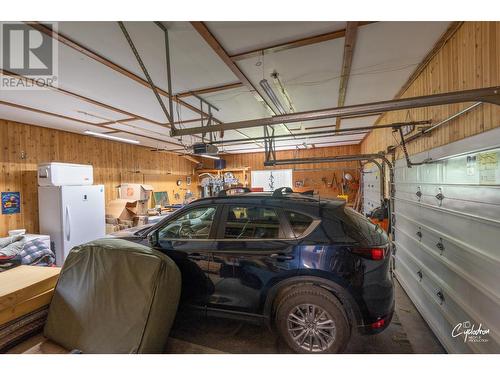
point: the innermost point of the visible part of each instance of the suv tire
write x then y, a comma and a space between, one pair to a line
311, 320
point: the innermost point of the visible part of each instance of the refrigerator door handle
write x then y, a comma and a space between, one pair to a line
68, 224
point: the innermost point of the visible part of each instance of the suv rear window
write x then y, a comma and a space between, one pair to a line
252, 222
298, 222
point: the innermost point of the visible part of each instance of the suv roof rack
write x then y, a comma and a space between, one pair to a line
282, 191
279, 192
223, 193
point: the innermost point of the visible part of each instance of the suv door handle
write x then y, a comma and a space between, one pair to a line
196, 256
281, 257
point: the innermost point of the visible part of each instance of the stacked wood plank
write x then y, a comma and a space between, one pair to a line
25, 293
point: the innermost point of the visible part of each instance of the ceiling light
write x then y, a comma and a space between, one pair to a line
282, 91
112, 137
272, 95
209, 156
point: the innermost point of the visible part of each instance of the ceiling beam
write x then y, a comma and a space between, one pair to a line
19, 106
294, 44
329, 132
202, 29
122, 120
135, 119
131, 116
342, 142
191, 159
351, 33
487, 95
168, 114
205, 33
329, 126
117, 68
209, 90
93, 55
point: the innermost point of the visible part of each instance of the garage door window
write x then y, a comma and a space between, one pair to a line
194, 224
252, 222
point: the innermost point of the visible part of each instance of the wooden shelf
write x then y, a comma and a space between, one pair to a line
217, 171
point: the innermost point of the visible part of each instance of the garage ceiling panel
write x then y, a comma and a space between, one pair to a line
146, 128
146, 141
234, 105
238, 37
358, 122
310, 74
46, 121
56, 102
385, 56
193, 63
84, 76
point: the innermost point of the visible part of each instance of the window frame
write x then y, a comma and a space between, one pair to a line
314, 223
176, 215
283, 223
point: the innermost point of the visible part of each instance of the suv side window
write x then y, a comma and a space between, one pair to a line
252, 222
194, 224
298, 222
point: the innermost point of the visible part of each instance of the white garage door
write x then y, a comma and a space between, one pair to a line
371, 188
447, 234
272, 179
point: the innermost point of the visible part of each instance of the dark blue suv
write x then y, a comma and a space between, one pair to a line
310, 268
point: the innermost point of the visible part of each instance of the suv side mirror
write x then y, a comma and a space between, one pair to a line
153, 239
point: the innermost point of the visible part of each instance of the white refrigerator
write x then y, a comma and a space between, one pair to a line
71, 215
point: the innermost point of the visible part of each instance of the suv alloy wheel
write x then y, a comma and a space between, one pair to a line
311, 320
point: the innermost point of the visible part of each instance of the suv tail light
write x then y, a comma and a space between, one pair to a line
373, 253
380, 323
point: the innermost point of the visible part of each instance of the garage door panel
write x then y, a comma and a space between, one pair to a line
478, 268
449, 243
477, 233
447, 312
428, 308
452, 277
481, 201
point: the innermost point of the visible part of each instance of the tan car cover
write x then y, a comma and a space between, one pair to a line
114, 296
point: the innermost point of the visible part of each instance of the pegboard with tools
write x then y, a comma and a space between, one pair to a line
328, 183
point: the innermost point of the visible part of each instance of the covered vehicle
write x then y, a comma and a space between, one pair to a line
114, 296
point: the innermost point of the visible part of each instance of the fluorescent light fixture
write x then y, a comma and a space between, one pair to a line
272, 95
112, 137
282, 91
208, 156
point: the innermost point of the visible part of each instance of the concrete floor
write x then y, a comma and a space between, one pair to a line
408, 333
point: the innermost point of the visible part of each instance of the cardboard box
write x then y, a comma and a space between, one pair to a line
122, 209
138, 208
124, 213
135, 192
140, 220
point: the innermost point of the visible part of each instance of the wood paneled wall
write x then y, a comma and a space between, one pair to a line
23, 147
314, 179
470, 59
